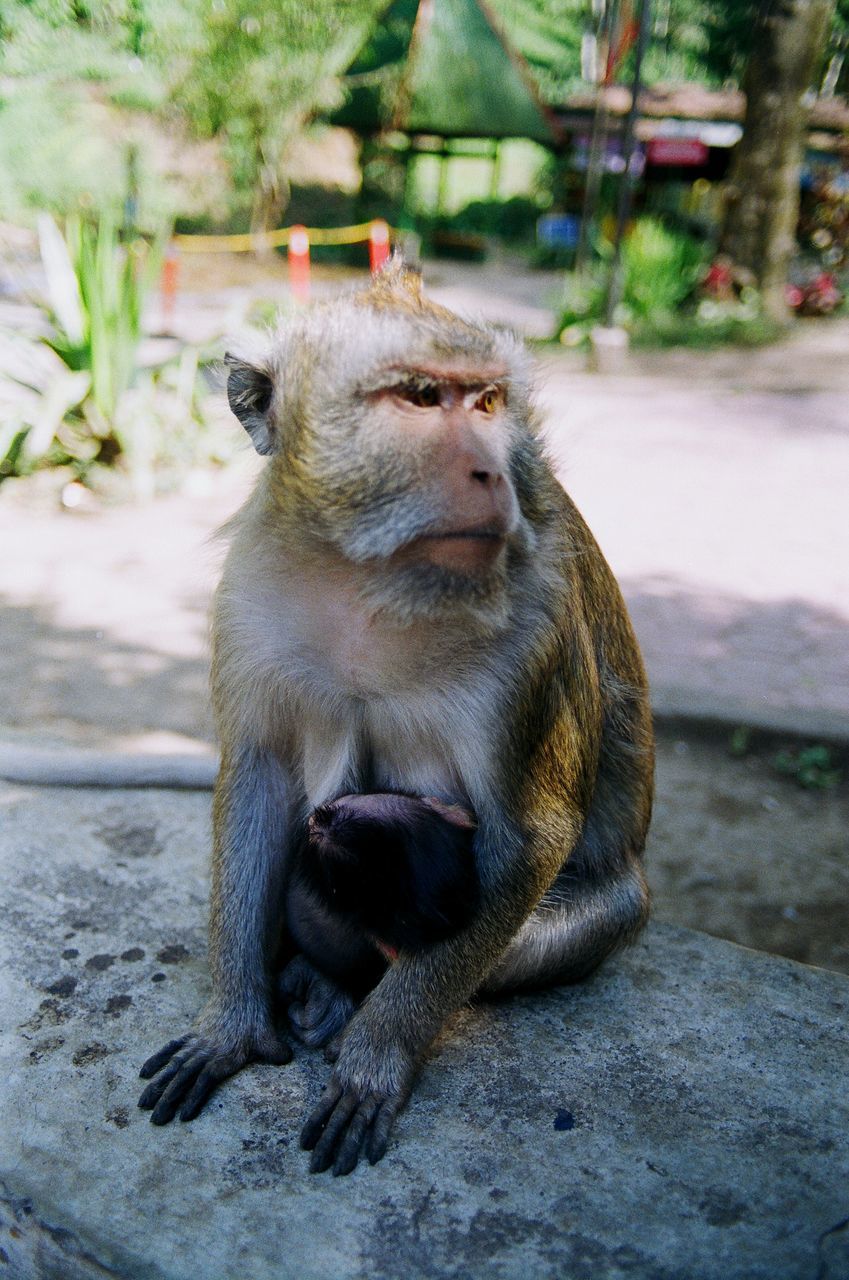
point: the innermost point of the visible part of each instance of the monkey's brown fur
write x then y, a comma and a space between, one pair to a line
412, 603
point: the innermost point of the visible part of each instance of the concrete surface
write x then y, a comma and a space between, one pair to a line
683, 1114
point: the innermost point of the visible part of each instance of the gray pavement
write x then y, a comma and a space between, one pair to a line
682, 1114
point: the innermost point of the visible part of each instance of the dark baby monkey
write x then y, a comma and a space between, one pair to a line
411, 603
380, 875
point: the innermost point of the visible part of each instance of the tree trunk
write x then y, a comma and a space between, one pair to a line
763, 194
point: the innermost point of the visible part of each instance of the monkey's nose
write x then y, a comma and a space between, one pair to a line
489, 479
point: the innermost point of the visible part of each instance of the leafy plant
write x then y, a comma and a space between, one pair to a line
78, 396
97, 288
662, 270
812, 767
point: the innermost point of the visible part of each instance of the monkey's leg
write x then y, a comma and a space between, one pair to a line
318, 1008
576, 925
251, 832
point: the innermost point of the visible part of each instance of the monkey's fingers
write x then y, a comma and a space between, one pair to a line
351, 1145
315, 1123
324, 1151
212, 1075
379, 1137
345, 1126
156, 1088
157, 1060
181, 1084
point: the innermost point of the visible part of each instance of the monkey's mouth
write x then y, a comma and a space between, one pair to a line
472, 550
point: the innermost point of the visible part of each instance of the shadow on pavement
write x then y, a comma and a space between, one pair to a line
55, 679
783, 663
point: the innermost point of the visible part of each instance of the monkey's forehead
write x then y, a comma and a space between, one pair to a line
352, 346
457, 370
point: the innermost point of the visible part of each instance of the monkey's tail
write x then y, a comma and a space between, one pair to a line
54, 767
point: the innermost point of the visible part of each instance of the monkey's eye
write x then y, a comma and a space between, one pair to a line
421, 395
489, 401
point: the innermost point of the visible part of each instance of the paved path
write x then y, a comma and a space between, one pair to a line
723, 510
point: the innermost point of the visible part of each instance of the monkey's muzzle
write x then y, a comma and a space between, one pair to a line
472, 551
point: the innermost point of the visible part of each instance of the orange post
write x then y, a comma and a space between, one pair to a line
299, 263
168, 284
378, 245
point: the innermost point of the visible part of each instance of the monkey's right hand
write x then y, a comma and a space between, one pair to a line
360, 1103
194, 1067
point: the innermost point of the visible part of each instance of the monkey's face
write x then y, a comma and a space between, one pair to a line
394, 426
447, 425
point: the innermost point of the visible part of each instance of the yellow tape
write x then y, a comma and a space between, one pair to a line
245, 243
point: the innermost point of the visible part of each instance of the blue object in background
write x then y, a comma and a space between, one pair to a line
558, 230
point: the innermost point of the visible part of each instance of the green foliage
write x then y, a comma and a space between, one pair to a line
548, 34
661, 268
512, 219
715, 324
711, 40
660, 307
62, 65
250, 74
740, 741
812, 767
52, 154
80, 398
97, 290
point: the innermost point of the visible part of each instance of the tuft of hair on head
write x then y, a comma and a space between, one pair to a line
396, 284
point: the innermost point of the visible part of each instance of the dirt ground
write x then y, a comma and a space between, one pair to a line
742, 851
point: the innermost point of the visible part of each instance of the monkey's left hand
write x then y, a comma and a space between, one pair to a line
358, 1107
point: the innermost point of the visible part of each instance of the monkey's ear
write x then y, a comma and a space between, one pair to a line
249, 391
454, 814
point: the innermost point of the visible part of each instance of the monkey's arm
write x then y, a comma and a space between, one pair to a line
398, 1020
251, 821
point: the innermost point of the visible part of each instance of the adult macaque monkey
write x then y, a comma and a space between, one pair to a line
411, 603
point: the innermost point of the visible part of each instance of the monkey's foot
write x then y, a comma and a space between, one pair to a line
348, 1123
194, 1067
318, 1009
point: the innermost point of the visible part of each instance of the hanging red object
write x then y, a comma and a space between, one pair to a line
378, 245
299, 263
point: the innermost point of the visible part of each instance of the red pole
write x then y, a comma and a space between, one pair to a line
168, 284
299, 263
378, 245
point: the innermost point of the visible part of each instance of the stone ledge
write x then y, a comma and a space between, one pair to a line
682, 1114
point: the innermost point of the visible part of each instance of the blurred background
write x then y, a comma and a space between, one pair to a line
655, 193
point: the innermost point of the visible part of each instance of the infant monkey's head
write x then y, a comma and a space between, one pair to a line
399, 868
